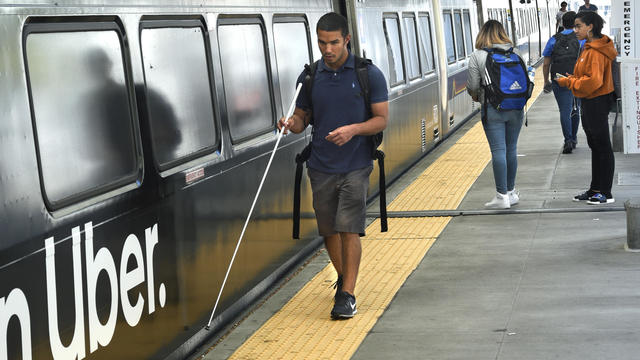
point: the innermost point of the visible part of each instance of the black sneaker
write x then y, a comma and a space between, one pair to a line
338, 286
599, 198
567, 148
584, 196
574, 144
345, 306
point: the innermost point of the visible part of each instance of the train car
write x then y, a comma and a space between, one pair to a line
427, 97
134, 136
529, 23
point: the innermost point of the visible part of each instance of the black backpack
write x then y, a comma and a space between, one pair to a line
362, 75
565, 54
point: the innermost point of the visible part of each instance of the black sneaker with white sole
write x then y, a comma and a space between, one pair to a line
345, 306
584, 196
598, 199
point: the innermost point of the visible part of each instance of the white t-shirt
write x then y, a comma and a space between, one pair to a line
559, 18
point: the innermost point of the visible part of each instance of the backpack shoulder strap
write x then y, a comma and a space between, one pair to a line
310, 73
362, 73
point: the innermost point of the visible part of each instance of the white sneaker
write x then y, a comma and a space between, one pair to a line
514, 197
500, 201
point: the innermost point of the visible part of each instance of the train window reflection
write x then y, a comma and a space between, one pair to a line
411, 40
178, 93
448, 38
426, 43
394, 50
467, 32
82, 114
290, 38
246, 80
459, 35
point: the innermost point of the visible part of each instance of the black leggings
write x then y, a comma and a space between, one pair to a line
595, 122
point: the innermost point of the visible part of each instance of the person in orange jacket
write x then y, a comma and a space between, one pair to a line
593, 83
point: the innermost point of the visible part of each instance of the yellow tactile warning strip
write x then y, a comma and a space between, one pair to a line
444, 184
302, 329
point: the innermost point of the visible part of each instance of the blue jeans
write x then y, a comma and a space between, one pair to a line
502, 129
569, 115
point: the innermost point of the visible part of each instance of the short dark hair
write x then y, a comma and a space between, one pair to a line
562, 4
568, 19
333, 22
592, 18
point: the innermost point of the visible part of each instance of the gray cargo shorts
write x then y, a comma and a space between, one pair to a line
340, 200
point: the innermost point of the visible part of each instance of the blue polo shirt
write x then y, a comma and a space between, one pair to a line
548, 49
338, 101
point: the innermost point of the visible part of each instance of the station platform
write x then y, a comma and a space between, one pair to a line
547, 279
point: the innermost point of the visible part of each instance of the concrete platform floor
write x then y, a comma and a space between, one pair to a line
514, 286
532, 286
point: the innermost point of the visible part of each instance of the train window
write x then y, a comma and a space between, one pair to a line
426, 42
467, 32
394, 49
459, 34
178, 90
291, 37
246, 78
448, 38
82, 109
522, 24
505, 22
410, 38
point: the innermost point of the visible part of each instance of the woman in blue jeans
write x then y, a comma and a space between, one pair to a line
501, 127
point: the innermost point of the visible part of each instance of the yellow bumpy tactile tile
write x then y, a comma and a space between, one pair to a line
444, 184
303, 329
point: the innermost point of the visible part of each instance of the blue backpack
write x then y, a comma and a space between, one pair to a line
507, 85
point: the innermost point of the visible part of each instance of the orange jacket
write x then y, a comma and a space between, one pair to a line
592, 73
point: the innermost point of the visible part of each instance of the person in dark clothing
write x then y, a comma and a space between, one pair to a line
560, 57
593, 82
588, 7
340, 161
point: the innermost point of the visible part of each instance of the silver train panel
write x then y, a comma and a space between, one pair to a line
529, 25
460, 13
174, 229
412, 121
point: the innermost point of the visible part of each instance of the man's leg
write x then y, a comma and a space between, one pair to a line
333, 243
564, 99
351, 254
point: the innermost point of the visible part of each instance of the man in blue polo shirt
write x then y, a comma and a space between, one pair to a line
560, 56
340, 161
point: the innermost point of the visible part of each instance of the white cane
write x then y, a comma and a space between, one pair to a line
289, 114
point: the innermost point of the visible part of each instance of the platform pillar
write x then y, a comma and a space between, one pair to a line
632, 208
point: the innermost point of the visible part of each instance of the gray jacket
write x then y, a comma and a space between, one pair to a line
477, 63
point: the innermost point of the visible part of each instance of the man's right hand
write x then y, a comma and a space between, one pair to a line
285, 123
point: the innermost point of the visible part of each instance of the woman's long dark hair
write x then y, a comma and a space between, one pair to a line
592, 18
